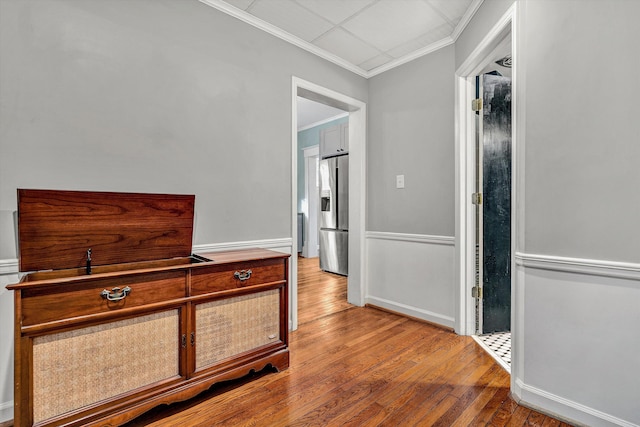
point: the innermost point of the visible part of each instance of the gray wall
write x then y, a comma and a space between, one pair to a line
167, 96
153, 96
580, 330
484, 19
576, 324
173, 96
411, 133
582, 130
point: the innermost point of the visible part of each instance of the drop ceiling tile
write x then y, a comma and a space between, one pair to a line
435, 35
291, 17
240, 4
374, 62
396, 22
452, 9
335, 11
341, 43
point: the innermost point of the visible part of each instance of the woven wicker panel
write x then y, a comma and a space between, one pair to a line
84, 366
231, 326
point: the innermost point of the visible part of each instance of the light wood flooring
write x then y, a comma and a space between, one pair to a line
355, 366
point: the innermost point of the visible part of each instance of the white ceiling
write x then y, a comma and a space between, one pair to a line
311, 113
363, 36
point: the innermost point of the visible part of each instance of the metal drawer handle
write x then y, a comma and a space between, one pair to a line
115, 294
242, 275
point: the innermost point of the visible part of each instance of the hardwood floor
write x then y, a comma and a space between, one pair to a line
354, 366
320, 294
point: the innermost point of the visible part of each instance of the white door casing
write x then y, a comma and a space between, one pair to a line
310, 241
357, 187
506, 28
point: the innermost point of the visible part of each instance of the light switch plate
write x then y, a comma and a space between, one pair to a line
399, 181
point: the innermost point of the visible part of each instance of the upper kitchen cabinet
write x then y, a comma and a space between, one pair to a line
334, 140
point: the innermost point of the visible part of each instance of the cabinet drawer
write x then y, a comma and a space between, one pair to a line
83, 298
238, 275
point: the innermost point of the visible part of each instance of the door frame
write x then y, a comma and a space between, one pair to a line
509, 23
357, 187
308, 250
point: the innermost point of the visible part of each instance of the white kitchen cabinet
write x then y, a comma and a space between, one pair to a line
334, 140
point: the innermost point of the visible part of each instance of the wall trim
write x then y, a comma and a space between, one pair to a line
590, 267
285, 242
408, 310
9, 266
309, 47
466, 19
421, 266
6, 411
283, 35
410, 57
312, 151
414, 238
551, 404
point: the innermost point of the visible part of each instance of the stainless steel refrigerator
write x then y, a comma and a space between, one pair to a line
334, 214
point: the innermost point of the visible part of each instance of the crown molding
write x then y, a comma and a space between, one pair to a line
466, 18
410, 57
290, 38
281, 34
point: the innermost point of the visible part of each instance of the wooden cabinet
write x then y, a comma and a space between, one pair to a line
334, 140
102, 348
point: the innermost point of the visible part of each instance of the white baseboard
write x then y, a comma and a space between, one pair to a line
6, 411
572, 412
565, 297
407, 310
411, 274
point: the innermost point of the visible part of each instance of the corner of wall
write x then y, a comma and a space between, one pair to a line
8, 274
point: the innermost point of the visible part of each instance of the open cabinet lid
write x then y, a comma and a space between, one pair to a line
57, 228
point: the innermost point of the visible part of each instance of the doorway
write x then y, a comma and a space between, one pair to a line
357, 187
499, 41
492, 200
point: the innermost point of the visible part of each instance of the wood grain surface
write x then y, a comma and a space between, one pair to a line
56, 228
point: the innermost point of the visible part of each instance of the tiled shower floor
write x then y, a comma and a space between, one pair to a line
497, 345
